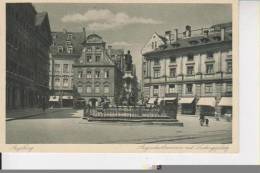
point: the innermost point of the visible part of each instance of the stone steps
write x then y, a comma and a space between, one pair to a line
142, 120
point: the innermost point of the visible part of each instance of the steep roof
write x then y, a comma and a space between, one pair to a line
161, 37
39, 18
61, 38
199, 40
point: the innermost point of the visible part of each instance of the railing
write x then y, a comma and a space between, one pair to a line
126, 112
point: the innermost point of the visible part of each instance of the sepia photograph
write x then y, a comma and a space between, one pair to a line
119, 73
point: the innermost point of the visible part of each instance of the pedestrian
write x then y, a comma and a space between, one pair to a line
155, 102
216, 115
202, 119
207, 122
43, 104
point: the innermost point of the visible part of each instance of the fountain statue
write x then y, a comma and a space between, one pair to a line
128, 77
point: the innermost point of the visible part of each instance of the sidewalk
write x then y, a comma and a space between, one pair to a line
28, 112
211, 118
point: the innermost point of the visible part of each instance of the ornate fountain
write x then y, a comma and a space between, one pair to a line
128, 97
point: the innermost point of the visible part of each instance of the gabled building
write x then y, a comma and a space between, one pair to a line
28, 37
194, 64
96, 75
66, 48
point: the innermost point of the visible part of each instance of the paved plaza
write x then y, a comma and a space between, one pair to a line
66, 126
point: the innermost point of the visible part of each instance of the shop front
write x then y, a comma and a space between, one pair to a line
187, 105
225, 105
67, 101
206, 106
54, 101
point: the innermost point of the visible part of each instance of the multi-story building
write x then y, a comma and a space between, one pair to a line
65, 49
96, 75
28, 38
195, 64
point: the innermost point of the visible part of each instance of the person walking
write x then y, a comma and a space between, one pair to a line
202, 119
43, 104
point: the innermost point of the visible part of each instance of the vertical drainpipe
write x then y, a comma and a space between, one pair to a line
165, 78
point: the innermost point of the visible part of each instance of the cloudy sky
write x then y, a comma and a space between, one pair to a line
130, 26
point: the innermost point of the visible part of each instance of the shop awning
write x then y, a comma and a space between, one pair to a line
187, 100
169, 98
207, 101
151, 100
225, 101
160, 99
67, 97
54, 98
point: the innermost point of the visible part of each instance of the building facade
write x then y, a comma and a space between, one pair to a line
65, 50
28, 38
96, 75
195, 64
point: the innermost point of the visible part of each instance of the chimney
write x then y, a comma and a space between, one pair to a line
176, 34
188, 31
222, 33
109, 47
84, 34
206, 33
64, 31
168, 36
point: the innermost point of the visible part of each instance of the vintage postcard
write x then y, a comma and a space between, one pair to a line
113, 76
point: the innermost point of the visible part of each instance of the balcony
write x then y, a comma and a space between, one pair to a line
172, 79
226, 94
227, 75
158, 80
189, 77
212, 76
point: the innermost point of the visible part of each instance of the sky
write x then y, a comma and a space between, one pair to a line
130, 26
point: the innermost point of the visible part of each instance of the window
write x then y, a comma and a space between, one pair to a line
190, 57
229, 87
57, 68
208, 88
210, 55
229, 67
80, 74
106, 89
156, 61
156, 73
89, 49
57, 82
173, 72
155, 90
171, 88
152, 45
70, 49
65, 68
68, 42
97, 48
173, 59
106, 74
89, 75
190, 70
69, 37
89, 58
66, 82
97, 74
97, 58
88, 89
209, 68
97, 89
155, 44
80, 90
60, 49
189, 88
